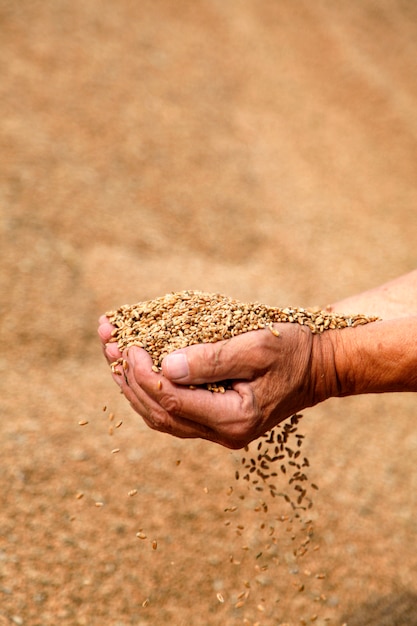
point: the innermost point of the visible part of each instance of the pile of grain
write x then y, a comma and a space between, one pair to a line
180, 319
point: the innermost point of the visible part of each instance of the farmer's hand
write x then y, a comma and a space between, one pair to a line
272, 377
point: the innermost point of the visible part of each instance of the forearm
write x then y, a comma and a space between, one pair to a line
397, 298
377, 357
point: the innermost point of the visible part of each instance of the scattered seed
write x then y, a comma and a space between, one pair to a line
220, 598
83, 422
132, 492
180, 319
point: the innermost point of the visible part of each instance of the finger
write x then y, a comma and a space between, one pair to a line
236, 358
105, 329
110, 348
230, 415
150, 409
112, 352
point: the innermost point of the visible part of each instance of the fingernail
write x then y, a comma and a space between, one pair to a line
176, 366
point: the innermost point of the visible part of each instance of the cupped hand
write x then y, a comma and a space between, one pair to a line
272, 377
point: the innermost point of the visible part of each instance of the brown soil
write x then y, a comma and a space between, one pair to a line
265, 150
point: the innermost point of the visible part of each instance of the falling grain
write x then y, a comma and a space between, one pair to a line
181, 319
141, 535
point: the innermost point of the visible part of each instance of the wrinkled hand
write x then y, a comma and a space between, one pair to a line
273, 378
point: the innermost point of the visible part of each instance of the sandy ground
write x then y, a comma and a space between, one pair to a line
265, 150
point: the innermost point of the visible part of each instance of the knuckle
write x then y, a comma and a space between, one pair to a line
212, 356
157, 421
170, 403
244, 430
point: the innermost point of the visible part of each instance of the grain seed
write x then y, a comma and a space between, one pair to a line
181, 319
273, 330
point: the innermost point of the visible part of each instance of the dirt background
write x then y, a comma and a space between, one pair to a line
265, 150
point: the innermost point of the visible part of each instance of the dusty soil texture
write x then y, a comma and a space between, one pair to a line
264, 150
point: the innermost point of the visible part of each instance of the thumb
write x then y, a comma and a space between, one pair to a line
210, 362
198, 364
175, 366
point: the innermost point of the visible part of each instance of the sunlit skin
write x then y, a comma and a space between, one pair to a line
274, 377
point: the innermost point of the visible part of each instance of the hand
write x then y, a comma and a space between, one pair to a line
273, 378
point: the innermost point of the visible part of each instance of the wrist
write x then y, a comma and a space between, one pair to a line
324, 372
378, 357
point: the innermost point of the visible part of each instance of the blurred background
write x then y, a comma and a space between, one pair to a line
265, 150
